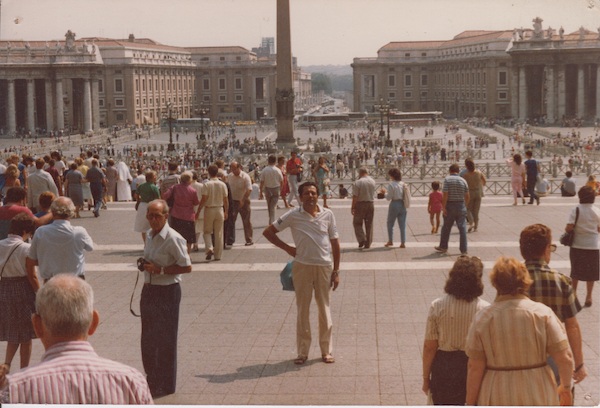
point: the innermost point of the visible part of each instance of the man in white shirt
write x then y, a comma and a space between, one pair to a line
59, 247
38, 182
270, 186
363, 209
241, 188
316, 266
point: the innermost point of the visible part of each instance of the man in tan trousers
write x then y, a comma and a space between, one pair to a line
215, 203
317, 243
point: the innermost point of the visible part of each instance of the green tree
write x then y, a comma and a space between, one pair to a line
321, 82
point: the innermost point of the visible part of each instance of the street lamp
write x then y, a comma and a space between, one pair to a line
170, 119
384, 108
202, 112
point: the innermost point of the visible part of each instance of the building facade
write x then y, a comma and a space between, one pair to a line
82, 85
524, 74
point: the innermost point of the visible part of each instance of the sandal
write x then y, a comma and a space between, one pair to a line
328, 359
300, 360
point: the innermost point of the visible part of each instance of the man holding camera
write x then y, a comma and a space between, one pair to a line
165, 259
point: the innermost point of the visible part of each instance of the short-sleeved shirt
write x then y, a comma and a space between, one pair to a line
532, 168
569, 185
364, 189
552, 289
13, 252
185, 199
60, 248
216, 191
166, 248
312, 235
586, 229
456, 187
95, 175
7, 212
239, 185
449, 320
271, 177
148, 192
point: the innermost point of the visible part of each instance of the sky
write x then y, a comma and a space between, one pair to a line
323, 31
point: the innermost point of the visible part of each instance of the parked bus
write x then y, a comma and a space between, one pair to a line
325, 120
409, 118
191, 124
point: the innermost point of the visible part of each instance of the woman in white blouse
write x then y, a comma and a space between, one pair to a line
584, 253
17, 291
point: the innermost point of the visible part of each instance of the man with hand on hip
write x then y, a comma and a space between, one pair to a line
316, 266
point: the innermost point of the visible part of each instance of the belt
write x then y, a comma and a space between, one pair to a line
517, 368
214, 206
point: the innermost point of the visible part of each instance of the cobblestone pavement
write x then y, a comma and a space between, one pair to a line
237, 327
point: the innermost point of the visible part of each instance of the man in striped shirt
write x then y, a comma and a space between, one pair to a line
70, 371
454, 207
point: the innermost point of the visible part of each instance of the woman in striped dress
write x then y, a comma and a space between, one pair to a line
17, 291
509, 342
444, 359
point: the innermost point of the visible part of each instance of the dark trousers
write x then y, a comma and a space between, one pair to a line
159, 307
245, 212
363, 213
96, 189
531, 189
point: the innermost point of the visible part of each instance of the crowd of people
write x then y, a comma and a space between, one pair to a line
464, 362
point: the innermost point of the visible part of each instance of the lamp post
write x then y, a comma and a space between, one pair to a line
202, 111
384, 108
170, 118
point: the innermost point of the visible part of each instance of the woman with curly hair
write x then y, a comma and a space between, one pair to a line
444, 358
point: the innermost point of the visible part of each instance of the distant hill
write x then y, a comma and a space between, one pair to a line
339, 76
332, 70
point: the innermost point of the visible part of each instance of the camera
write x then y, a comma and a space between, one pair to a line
140, 264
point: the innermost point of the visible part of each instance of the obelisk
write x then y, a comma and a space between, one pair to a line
284, 94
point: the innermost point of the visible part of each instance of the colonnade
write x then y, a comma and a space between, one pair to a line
54, 103
554, 102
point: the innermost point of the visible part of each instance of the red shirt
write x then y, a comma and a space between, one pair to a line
7, 212
292, 165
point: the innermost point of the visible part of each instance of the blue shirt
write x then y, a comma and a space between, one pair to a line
532, 168
456, 187
60, 248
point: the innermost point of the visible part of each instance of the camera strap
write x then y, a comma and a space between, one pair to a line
133, 293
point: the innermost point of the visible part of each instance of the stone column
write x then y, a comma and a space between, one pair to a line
87, 106
284, 94
60, 109
30, 105
11, 109
580, 92
514, 93
522, 94
550, 105
95, 105
597, 91
49, 107
561, 97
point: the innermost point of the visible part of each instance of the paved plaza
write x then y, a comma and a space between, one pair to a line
237, 327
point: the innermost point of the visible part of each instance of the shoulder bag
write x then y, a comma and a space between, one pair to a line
567, 237
286, 277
